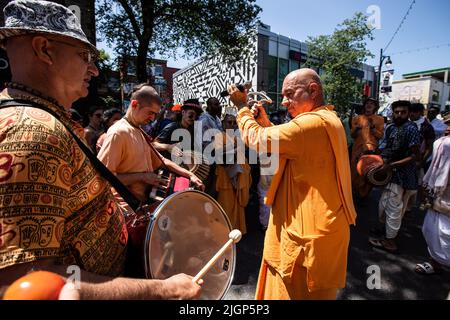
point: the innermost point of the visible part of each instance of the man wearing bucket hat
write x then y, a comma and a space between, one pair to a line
55, 208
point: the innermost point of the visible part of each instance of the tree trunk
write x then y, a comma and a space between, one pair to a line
148, 20
141, 62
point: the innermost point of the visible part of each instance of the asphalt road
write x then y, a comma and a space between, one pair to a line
397, 277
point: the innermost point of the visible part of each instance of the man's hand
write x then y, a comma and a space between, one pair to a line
181, 287
197, 182
238, 97
153, 179
175, 150
257, 110
386, 168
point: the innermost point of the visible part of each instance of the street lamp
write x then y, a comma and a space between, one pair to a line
388, 65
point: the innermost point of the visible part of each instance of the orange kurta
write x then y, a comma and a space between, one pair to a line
311, 200
234, 200
365, 140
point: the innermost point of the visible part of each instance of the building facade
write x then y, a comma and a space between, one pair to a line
119, 83
430, 87
271, 58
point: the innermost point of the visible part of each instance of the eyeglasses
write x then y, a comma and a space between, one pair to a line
88, 56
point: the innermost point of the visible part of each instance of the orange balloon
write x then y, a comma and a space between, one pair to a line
37, 285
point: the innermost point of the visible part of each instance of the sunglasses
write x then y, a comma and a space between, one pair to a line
88, 56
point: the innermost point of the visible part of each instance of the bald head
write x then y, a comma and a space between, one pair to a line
145, 93
304, 76
302, 91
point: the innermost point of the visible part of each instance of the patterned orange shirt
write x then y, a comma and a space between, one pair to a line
53, 203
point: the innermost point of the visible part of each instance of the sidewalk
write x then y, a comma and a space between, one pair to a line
398, 279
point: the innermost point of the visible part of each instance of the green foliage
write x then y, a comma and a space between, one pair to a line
142, 28
110, 102
336, 54
104, 63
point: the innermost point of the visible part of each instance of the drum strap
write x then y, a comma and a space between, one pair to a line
132, 201
148, 139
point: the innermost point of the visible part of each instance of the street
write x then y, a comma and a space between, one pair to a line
398, 279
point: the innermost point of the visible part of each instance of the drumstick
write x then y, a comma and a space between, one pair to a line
167, 247
235, 236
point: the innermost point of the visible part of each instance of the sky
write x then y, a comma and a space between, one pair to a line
427, 25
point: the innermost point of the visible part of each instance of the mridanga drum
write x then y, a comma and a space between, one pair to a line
196, 163
369, 166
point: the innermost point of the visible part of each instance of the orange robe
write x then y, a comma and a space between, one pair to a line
312, 207
234, 199
366, 140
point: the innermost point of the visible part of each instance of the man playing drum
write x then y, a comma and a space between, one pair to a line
367, 130
126, 150
400, 154
56, 210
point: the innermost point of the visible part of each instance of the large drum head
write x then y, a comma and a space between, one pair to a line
187, 230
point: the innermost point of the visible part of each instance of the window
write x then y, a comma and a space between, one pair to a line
273, 45
155, 70
283, 51
283, 72
272, 74
435, 96
294, 65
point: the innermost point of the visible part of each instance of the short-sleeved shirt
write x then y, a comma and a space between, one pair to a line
165, 136
399, 140
53, 203
125, 150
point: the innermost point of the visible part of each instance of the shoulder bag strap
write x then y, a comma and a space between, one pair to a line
132, 201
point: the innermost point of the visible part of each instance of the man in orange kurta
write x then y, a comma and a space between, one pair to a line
305, 249
233, 180
367, 130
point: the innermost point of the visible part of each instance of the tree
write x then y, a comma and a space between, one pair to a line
336, 55
143, 27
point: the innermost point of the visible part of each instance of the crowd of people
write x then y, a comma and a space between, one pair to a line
57, 208
407, 147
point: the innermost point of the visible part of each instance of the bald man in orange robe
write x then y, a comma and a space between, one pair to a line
306, 244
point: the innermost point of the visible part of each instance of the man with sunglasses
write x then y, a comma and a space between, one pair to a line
180, 133
126, 150
56, 210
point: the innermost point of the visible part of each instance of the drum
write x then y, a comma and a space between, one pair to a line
181, 235
196, 163
369, 166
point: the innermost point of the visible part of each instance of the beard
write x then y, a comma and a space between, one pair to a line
400, 121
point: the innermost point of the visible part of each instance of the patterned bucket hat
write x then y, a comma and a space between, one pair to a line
35, 16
